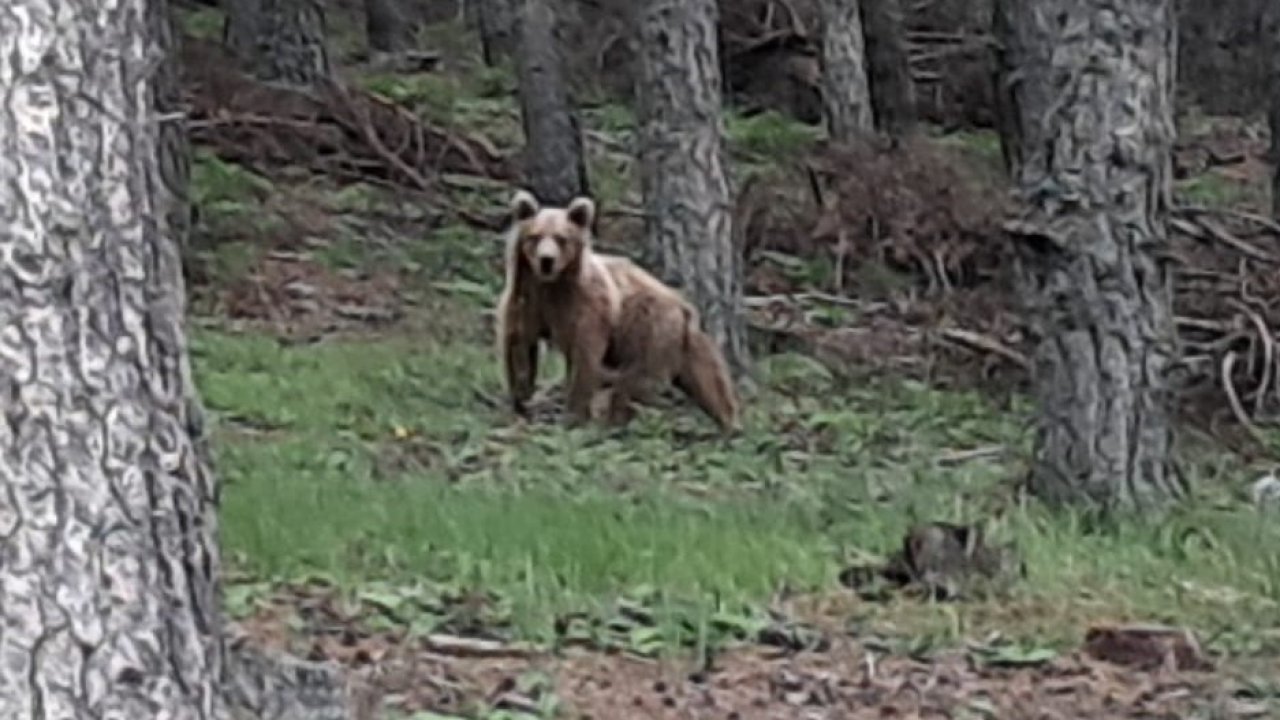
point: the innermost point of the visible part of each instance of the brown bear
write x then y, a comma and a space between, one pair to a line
616, 324
657, 341
558, 290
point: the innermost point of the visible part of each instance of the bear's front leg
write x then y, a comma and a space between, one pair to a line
521, 359
584, 376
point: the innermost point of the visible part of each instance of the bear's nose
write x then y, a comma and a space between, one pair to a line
546, 264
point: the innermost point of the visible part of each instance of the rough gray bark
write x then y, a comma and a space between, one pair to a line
1092, 115
386, 26
108, 554
893, 95
496, 22
279, 41
555, 167
846, 94
687, 197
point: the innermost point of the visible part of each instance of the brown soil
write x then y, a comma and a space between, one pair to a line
847, 681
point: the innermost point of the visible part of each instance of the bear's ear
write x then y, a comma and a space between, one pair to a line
582, 212
524, 205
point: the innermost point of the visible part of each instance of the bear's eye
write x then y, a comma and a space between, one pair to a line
561, 240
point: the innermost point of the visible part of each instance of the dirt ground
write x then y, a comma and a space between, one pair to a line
846, 679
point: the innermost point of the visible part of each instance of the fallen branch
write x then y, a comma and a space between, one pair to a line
978, 341
1254, 218
1207, 229
475, 647
1233, 398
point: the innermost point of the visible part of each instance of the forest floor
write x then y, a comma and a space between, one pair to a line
382, 508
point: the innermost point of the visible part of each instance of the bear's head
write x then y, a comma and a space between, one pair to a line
552, 240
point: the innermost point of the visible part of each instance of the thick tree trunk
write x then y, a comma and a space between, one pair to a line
386, 27
108, 554
280, 41
893, 95
686, 191
496, 21
1093, 99
554, 164
846, 94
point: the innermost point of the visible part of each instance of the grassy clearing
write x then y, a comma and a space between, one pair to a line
373, 462
378, 465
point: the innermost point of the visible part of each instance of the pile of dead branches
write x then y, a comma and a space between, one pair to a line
916, 263
335, 130
1227, 306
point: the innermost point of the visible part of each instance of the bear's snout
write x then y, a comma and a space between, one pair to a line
547, 255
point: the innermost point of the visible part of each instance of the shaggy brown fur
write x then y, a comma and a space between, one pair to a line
598, 308
558, 290
657, 341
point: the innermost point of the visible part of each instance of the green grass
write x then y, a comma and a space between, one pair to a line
1212, 189
373, 461
768, 136
389, 465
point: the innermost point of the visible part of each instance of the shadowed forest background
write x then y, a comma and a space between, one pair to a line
382, 508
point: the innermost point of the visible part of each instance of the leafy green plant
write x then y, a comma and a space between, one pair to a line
769, 134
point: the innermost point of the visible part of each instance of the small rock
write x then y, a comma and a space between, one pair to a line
1265, 491
1146, 647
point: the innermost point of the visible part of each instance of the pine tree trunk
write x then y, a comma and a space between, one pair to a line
108, 554
1093, 100
280, 41
386, 26
496, 20
1004, 56
1271, 32
686, 191
893, 97
554, 163
107, 532
846, 94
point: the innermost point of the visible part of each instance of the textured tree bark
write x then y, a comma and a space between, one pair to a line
386, 26
686, 191
108, 554
893, 95
106, 530
846, 94
1093, 99
280, 41
497, 25
554, 164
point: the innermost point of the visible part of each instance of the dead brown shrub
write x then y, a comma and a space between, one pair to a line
909, 208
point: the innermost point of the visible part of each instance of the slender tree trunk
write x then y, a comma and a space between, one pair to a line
1093, 99
386, 27
496, 21
1271, 31
686, 191
280, 41
554, 163
893, 95
846, 93
1004, 56
108, 554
